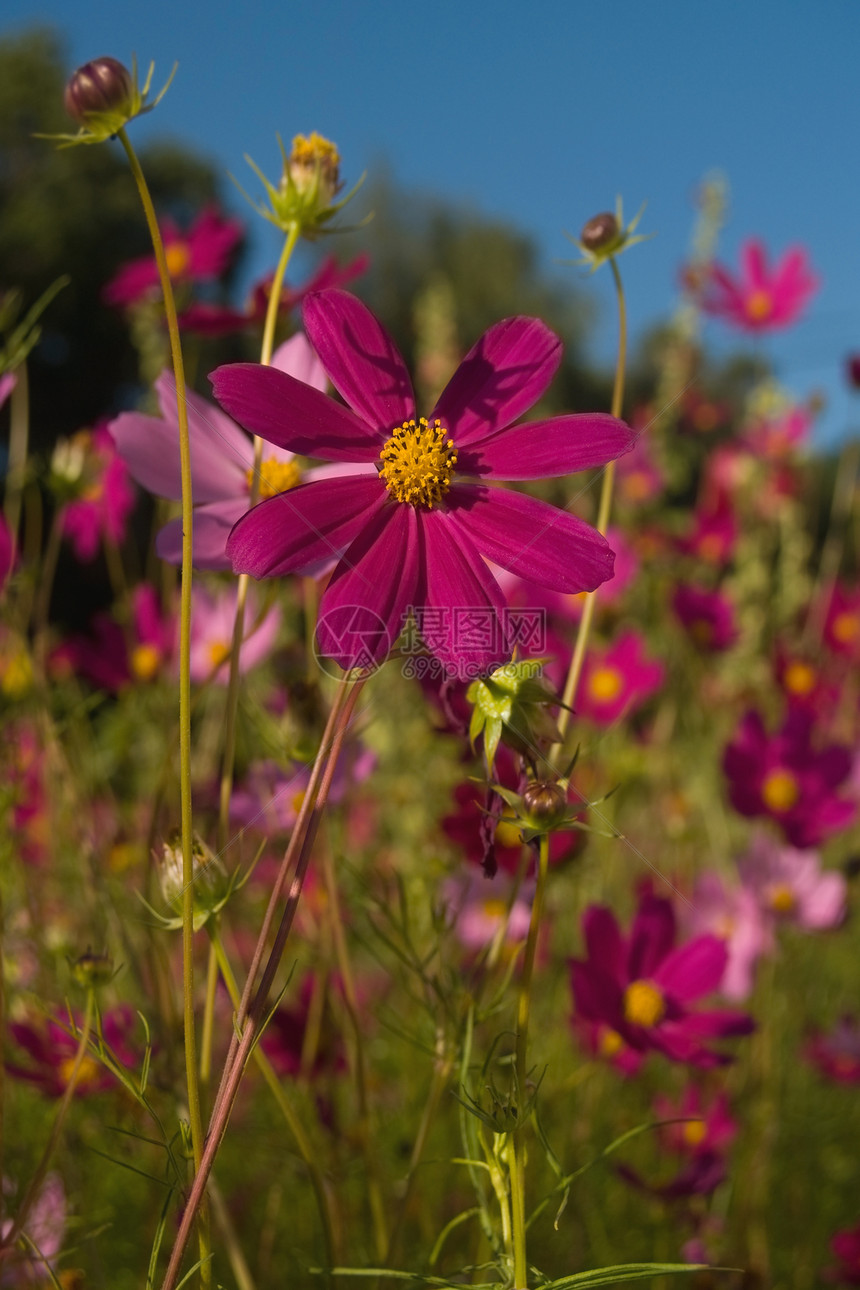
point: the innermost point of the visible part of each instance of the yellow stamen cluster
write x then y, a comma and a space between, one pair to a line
178, 258
782, 898
314, 156
799, 678
779, 790
145, 661
604, 684
219, 652
275, 477
644, 1005
419, 462
694, 1132
845, 627
759, 305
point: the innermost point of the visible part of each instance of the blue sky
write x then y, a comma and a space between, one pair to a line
541, 120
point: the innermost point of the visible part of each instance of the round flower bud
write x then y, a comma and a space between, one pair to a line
92, 969
545, 802
103, 85
600, 231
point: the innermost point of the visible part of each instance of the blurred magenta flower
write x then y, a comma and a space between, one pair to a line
713, 536
804, 683
707, 616
791, 886
784, 777
8, 381
111, 658
479, 910
414, 536
25, 776
644, 987
213, 615
760, 298
7, 552
51, 1051
200, 256
207, 319
845, 1245
616, 681
638, 478
104, 498
842, 625
222, 459
779, 436
836, 1052
702, 1141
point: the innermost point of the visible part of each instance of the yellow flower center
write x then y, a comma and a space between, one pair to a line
178, 258
495, 909
694, 1132
610, 1042
87, 1076
799, 678
636, 486
845, 627
275, 477
419, 462
145, 661
759, 305
782, 899
644, 1005
604, 684
219, 652
779, 790
17, 674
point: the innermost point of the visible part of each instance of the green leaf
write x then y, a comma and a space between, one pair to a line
627, 1272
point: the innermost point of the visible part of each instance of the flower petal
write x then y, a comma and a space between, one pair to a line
293, 415
470, 630
501, 377
542, 449
651, 936
530, 538
361, 359
604, 942
694, 969
295, 530
211, 527
364, 606
297, 358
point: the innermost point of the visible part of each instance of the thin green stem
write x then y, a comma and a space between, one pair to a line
62, 1110
516, 1145
229, 754
603, 511
184, 693
252, 1007
288, 1111
19, 433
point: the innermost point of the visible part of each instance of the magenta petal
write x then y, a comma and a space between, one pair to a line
603, 941
501, 377
596, 995
293, 415
210, 530
651, 937
362, 361
297, 529
470, 633
364, 607
530, 538
693, 969
542, 449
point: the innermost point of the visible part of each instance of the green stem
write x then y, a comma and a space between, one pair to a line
184, 694
288, 1111
517, 1146
19, 433
62, 1110
604, 508
252, 1006
229, 757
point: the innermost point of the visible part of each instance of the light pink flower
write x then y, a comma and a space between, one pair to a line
791, 885
106, 500
760, 299
212, 617
733, 913
478, 908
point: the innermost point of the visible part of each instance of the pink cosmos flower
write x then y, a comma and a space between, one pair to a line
708, 617
836, 1052
222, 459
212, 618
732, 913
713, 537
760, 299
779, 436
201, 256
618, 680
220, 320
51, 1051
842, 626
804, 683
784, 777
411, 534
110, 657
642, 987
791, 887
702, 1141
106, 500
479, 909
638, 478
845, 1245
45, 1228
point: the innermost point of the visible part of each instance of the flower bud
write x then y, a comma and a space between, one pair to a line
91, 969
546, 803
210, 883
103, 85
599, 232
314, 168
